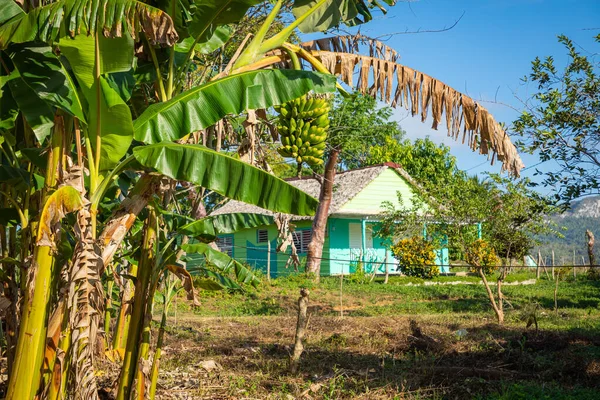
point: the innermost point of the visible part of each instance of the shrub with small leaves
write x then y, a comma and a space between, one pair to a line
482, 255
416, 257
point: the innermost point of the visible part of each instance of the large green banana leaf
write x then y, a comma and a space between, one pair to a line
207, 229
44, 73
71, 17
225, 175
8, 10
8, 107
218, 39
222, 262
210, 14
108, 115
204, 105
334, 12
38, 113
116, 55
115, 126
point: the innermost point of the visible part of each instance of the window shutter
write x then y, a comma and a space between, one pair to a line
262, 236
225, 244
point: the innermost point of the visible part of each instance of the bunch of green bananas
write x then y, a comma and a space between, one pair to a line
303, 125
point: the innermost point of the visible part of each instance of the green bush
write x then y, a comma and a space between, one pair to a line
416, 257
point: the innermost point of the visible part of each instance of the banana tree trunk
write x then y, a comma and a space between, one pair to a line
315, 247
590, 247
132, 350
26, 374
57, 352
27, 368
143, 364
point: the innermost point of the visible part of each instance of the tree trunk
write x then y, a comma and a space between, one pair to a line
498, 311
590, 247
501, 278
387, 268
300, 330
315, 247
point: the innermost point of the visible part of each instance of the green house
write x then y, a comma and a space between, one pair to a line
350, 237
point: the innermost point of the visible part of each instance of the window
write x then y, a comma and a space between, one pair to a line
302, 239
225, 244
262, 236
355, 233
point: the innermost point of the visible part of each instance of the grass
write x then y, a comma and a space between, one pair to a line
578, 299
369, 353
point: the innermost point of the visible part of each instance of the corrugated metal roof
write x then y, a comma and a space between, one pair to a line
347, 185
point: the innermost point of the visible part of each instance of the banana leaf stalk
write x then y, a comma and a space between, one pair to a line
122, 324
108, 308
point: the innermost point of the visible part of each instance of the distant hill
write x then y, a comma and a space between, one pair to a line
584, 214
588, 207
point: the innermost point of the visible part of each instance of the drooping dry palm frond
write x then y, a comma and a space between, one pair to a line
353, 44
399, 85
84, 302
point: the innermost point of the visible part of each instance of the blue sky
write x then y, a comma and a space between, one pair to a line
486, 54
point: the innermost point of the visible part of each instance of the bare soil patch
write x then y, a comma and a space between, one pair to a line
369, 358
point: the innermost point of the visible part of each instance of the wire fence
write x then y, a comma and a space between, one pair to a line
275, 253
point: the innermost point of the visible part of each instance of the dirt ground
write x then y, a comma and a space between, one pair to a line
376, 358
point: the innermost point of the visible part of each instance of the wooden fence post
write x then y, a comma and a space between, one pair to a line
387, 268
553, 264
268, 259
341, 296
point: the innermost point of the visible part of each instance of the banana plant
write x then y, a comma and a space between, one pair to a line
106, 143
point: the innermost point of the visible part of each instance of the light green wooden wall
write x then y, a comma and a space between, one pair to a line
383, 188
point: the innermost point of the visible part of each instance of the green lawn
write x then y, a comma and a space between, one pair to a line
578, 299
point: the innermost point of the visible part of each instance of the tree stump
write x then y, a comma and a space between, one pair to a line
300, 330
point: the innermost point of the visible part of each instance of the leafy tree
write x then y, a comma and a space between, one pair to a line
509, 212
357, 125
422, 159
561, 122
521, 217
